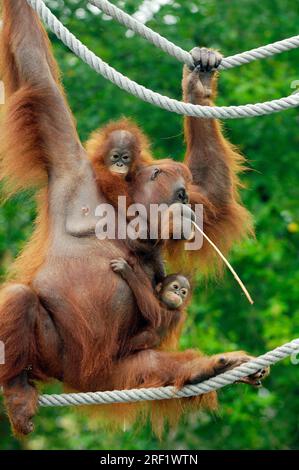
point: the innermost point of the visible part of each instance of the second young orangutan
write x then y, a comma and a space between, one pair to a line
162, 307
164, 311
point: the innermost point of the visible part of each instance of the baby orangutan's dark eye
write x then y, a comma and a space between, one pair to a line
184, 292
175, 286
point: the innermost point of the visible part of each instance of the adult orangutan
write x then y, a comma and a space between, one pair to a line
65, 314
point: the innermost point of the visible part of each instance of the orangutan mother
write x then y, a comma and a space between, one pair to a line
65, 314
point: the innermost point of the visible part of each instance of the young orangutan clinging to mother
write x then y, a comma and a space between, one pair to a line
163, 308
117, 152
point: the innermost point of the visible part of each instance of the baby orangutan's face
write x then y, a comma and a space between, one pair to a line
120, 156
174, 290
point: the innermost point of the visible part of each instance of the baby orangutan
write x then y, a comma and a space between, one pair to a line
164, 311
117, 152
162, 308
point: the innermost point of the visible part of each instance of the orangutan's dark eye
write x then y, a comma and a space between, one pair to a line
155, 173
182, 196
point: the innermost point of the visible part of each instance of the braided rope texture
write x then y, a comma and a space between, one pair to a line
165, 393
184, 56
149, 96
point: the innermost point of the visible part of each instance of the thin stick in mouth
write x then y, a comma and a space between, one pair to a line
241, 284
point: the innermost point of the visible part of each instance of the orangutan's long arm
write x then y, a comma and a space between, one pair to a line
213, 161
209, 156
38, 130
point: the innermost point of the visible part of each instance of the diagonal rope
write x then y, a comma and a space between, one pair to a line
144, 31
184, 56
147, 95
165, 393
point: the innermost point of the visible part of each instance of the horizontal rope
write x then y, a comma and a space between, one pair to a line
149, 96
165, 393
184, 56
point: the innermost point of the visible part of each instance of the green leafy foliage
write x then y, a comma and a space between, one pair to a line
219, 318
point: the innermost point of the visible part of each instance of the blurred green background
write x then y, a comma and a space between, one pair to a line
220, 318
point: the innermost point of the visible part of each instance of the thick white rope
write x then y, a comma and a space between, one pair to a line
165, 393
229, 112
184, 56
144, 31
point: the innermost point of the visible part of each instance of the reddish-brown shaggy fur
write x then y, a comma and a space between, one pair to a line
111, 184
65, 314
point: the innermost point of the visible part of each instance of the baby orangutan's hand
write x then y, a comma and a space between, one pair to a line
120, 266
